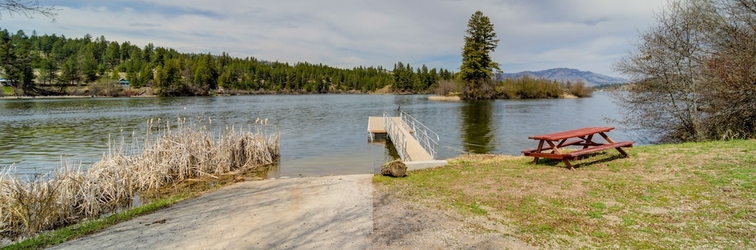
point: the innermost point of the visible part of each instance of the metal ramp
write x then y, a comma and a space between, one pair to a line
415, 143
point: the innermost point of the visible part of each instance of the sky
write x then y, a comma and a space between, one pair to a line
589, 35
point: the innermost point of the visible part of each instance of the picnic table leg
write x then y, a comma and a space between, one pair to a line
609, 140
540, 147
567, 162
606, 137
588, 140
561, 143
554, 148
622, 151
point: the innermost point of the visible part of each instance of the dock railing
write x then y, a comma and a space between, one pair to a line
397, 137
427, 138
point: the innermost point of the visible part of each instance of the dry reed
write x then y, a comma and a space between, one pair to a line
70, 194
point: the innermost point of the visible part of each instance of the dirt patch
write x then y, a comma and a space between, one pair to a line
383, 91
401, 224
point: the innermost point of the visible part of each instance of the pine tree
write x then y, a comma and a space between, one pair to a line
201, 71
169, 82
477, 66
70, 72
112, 55
89, 65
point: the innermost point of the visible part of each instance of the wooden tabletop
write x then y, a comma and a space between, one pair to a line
571, 133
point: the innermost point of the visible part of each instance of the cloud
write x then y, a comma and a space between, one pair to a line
535, 35
593, 23
144, 25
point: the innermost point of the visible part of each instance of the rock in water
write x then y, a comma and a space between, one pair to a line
395, 168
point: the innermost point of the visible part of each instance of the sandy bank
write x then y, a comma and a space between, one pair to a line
444, 98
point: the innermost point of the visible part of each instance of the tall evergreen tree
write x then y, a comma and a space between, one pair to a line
89, 65
48, 70
70, 72
8, 57
112, 55
204, 73
477, 65
168, 80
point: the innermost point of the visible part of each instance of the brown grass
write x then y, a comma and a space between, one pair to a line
71, 194
444, 98
682, 196
446, 87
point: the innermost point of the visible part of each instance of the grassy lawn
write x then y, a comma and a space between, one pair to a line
693, 195
6, 90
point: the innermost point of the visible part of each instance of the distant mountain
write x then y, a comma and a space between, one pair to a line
565, 74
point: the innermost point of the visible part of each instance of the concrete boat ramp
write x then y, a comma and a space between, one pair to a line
330, 212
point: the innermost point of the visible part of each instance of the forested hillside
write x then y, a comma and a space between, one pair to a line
53, 65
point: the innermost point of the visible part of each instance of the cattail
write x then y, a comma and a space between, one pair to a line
69, 194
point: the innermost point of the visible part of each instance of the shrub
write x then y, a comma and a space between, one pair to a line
445, 87
578, 89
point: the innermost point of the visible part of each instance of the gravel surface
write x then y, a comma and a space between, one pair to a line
401, 224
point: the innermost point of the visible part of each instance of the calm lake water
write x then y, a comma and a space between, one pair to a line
320, 134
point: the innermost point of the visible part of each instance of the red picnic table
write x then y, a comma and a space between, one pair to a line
551, 145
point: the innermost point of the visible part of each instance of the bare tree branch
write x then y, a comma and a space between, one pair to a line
27, 8
694, 73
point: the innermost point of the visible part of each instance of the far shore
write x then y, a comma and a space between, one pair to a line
378, 92
46, 97
67, 97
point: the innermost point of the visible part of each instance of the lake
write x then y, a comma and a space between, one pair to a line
320, 134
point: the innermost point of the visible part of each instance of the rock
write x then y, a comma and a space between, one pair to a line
395, 168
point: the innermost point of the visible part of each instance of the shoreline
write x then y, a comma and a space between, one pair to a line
46, 97
69, 97
430, 96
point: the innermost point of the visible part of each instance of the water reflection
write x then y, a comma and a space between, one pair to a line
392, 154
19, 106
402, 103
477, 132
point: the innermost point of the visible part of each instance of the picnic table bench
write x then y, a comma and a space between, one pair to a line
551, 145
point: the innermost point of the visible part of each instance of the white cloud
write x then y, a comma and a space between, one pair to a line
535, 35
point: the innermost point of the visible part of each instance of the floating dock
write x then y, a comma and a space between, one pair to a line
416, 145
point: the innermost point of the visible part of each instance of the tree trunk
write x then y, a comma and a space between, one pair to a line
395, 168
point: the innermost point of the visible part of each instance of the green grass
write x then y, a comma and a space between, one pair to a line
476, 209
88, 227
672, 196
6, 91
